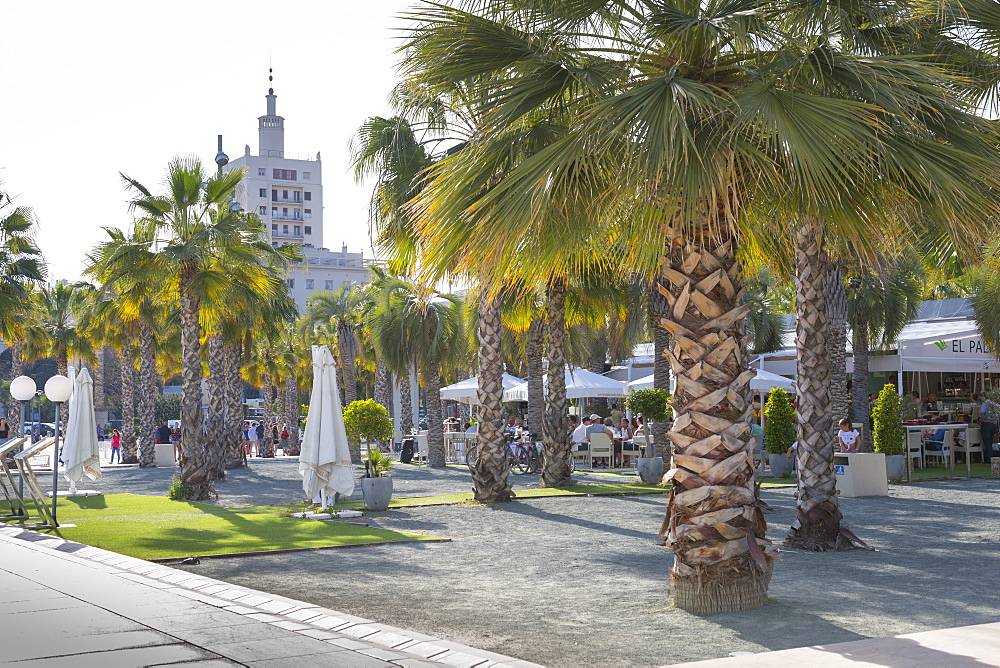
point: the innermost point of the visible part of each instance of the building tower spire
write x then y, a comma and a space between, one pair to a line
271, 128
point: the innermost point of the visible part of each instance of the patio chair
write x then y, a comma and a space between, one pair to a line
939, 446
631, 449
581, 455
915, 447
421, 454
601, 446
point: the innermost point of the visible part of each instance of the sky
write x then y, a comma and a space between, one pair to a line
94, 89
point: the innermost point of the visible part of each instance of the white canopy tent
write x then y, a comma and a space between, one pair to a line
467, 391
762, 382
580, 383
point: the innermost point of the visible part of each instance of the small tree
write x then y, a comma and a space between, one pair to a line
887, 420
368, 421
654, 406
779, 422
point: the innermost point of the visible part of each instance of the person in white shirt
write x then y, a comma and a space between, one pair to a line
579, 436
850, 438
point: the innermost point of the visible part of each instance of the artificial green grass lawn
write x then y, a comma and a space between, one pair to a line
151, 527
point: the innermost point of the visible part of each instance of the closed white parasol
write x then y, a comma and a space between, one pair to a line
81, 453
325, 459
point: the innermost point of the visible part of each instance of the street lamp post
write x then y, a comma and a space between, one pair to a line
22, 389
58, 390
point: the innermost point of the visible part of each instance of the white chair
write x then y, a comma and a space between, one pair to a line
421, 453
973, 444
915, 447
945, 444
601, 446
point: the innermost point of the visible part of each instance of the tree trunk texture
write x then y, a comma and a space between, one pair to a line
129, 446
556, 446
817, 518
216, 444
714, 526
62, 368
292, 414
435, 424
233, 385
405, 404
491, 474
860, 408
536, 374
146, 401
194, 470
100, 398
836, 310
16, 369
383, 391
267, 419
661, 381
345, 345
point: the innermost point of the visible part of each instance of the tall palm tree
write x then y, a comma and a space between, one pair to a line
688, 118
197, 237
339, 308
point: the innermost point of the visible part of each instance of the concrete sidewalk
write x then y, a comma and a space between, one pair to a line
955, 648
65, 602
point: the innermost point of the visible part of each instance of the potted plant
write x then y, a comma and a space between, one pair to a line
888, 433
370, 421
654, 406
779, 432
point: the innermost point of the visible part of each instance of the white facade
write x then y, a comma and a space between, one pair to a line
287, 194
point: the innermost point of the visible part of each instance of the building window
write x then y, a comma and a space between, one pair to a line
306, 175
310, 284
284, 194
284, 174
308, 213
274, 194
284, 211
274, 212
291, 283
261, 171
298, 231
284, 229
274, 227
263, 192
309, 229
329, 285
263, 210
308, 196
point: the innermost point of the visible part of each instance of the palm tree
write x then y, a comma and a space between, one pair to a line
203, 238
340, 309
687, 120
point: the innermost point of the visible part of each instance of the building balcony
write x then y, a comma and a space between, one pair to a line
291, 216
285, 235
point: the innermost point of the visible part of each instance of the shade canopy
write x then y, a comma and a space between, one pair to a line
467, 391
580, 383
82, 454
325, 459
763, 381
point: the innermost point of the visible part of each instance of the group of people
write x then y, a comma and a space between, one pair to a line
256, 435
616, 426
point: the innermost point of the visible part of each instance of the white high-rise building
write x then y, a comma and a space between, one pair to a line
287, 194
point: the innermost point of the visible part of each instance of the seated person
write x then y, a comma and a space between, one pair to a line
849, 438
471, 428
579, 433
597, 427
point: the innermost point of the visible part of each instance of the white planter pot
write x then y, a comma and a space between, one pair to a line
377, 492
895, 467
650, 469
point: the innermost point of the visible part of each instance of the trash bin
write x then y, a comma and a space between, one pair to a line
860, 474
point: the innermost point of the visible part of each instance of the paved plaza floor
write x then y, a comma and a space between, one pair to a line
579, 581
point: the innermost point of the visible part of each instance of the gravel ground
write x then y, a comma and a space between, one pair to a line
577, 580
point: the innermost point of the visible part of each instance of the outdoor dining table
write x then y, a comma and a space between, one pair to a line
956, 426
456, 443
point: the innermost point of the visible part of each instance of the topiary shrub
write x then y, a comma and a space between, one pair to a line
367, 420
888, 433
653, 404
779, 422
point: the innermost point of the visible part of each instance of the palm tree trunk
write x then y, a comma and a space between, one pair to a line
661, 381
836, 309
345, 345
383, 392
147, 397
234, 408
100, 399
490, 475
129, 446
217, 443
536, 385
194, 469
405, 404
435, 425
817, 521
556, 446
713, 525
292, 414
16, 369
62, 368
598, 358
267, 418
860, 408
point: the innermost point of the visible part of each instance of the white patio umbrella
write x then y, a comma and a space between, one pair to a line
580, 383
467, 391
81, 453
325, 460
764, 380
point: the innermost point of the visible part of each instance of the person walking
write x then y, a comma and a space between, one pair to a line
261, 440
989, 413
252, 439
116, 446
283, 438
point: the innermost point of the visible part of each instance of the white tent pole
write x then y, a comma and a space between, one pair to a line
899, 376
